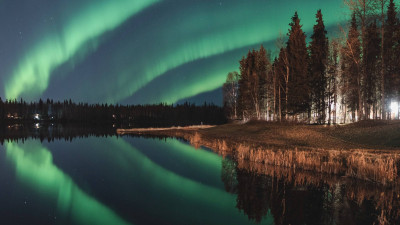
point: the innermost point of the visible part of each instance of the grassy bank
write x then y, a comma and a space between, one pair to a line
366, 150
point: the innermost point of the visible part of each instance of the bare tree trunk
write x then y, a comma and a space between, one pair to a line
360, 105
329, 102
383, 59
274, 111
280, 106
286, 100
334, 102
362, 8
235, 110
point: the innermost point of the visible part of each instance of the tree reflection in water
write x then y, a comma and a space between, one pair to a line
290, 196
303, 197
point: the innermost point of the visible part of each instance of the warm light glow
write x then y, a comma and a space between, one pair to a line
394, 106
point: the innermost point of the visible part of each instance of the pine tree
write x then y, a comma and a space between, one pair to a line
372, 67
244, 87
283, 74
381, 5
299, 90
265, 81
351, 69
333, 76
318, 63
390, 56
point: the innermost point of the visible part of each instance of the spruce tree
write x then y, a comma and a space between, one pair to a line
264, 67
283, 73
299, 90
372, 67
244, 87
390, 46
351, 68
318, 63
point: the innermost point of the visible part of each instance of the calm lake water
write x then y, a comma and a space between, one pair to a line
132, 180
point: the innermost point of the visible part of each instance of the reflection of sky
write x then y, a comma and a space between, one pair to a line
139, 186
35, 168
123, 49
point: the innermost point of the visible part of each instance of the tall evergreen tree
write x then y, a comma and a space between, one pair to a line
299, 89
381, 4
390, 46
333, 76
283, 73
244, 87
351, 66
318, 66
263, 65
365, 11
372, 67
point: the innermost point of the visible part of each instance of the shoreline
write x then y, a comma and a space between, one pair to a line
151, 129
327, 150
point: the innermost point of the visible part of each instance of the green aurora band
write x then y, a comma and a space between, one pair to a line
199, 162
215, 33
79, 35
174, 193
208, 80
34, 166
175, 188
166, 39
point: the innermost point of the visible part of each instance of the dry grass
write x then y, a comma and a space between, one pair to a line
381, 168
354, 150
386, 199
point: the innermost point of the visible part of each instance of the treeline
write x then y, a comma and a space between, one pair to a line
120, 115
351, 77
50, 132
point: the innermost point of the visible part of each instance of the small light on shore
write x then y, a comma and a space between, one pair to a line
36, 116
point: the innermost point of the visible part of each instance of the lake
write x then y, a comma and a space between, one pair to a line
136, 180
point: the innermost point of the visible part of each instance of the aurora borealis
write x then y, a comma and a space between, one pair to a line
141, 187
144, 51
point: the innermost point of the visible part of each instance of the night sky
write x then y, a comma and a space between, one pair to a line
139, 51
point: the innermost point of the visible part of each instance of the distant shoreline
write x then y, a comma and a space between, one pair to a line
151, 129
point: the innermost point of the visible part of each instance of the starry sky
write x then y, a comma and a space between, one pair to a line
139, 51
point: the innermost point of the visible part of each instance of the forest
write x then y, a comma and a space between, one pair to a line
350, 77
161, 115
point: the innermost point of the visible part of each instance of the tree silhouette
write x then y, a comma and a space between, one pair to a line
318, 67
299, 89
